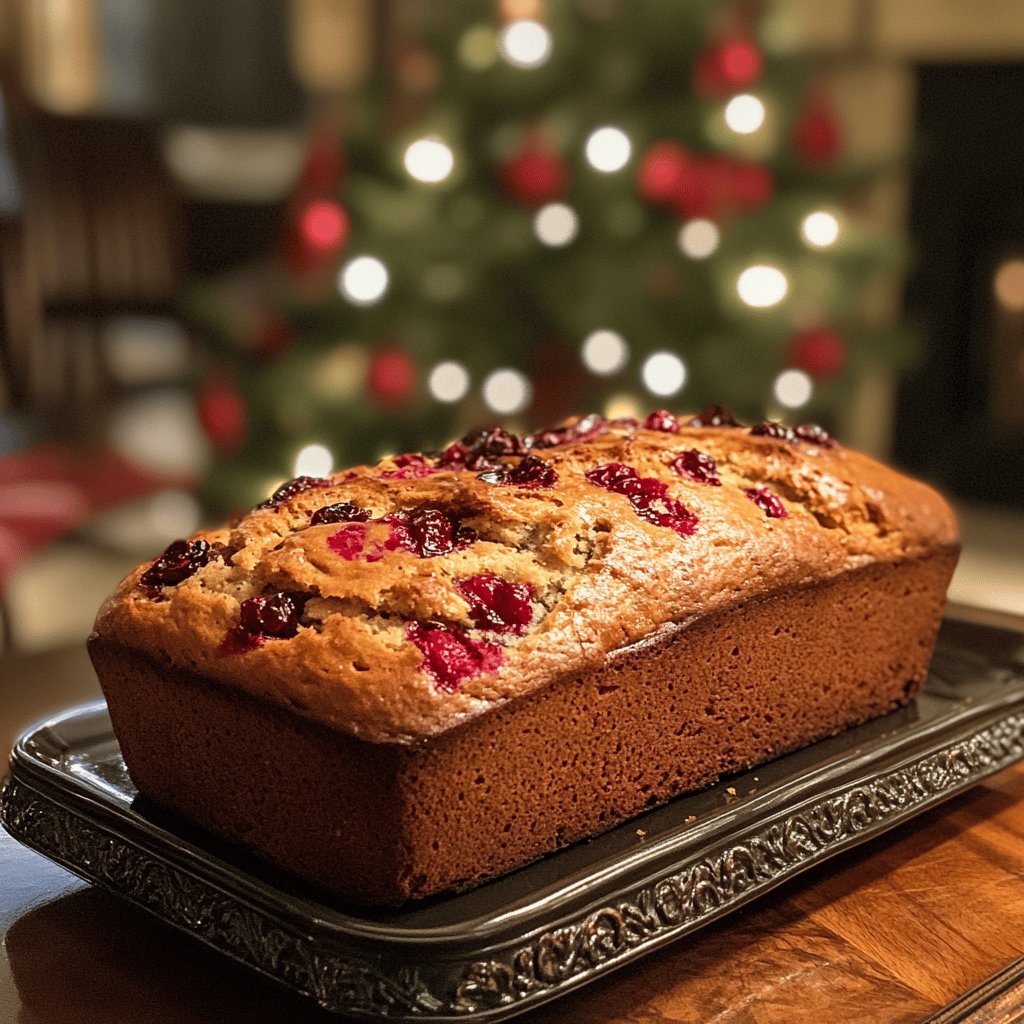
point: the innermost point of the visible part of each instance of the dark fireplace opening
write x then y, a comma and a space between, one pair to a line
961, 413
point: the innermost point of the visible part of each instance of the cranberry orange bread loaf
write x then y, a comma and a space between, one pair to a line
407, 678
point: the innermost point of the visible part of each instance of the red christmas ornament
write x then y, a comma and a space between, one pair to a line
659, 177
535, 177
820, 352
324, 225
752, 185
223, 415
726, 67
817, 136
391, 378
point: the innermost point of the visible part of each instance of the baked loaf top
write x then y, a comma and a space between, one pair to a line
393, 602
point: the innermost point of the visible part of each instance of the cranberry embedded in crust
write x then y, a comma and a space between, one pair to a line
452, 657
340, 512
275, 615
647, 494
497, 605
663, 420
813, 434
769, 503
424, 532
179, 561
293, 487
770, 429
531, 473
582, 430
698, 466
714, 416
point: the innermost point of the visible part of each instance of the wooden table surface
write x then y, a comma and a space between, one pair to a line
894, 930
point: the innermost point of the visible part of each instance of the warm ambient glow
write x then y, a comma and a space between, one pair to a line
664, 373
762, 286
608, 149
744, 114
1009, 285
363, 280
604, 352
429, 160
448, 381
324, 224
699, 238
793, 388
525, 43
507, 391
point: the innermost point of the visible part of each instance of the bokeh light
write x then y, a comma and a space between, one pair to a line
793, 388
699, 238
556, 224
313, 460
1009, 285
363, 280
324, 224
664, 373
448, 381
429, 159
507, 391
525, 43
604, 352
762, 286
744, 114
820, 229
608, 149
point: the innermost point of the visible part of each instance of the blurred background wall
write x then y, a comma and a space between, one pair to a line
248, 240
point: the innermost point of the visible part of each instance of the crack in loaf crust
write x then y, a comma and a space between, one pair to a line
409, 677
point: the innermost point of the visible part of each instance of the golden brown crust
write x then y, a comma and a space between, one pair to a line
602, 577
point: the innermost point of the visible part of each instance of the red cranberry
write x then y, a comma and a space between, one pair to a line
409, 459
714, 416
430, 532
771, 429
663, 420
531, 473
647, 494
412, 465
274, 614
241, 641
454, 455
450, 656
350, 543
293, 487
582, 430
498, 605
697, 465
179, 561
341, 512
814, 434
767, 502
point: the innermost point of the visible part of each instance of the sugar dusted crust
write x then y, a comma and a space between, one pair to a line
601, 577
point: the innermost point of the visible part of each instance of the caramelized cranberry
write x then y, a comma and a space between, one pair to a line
714, 416
697, 465
531, 473
771, 429
450, 656
814, 434
454, 455
409, 459
293, 487
582, 430
663, 420
498, 605
767, 502
341, 512
179, 561
431, 532
274, 614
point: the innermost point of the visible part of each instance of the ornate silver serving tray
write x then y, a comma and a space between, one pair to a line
545, 930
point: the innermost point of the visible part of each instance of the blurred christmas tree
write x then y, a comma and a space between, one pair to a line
539, 208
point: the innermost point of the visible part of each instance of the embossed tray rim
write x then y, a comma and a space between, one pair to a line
460, 979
